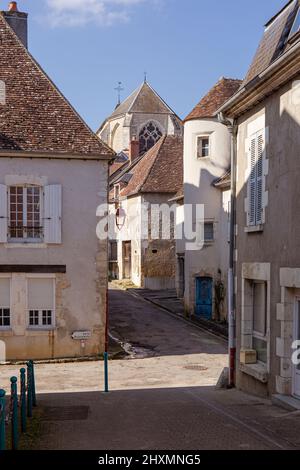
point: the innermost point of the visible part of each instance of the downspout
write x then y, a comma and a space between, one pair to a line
232, 128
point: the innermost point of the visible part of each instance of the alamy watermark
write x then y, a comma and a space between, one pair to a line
153, 221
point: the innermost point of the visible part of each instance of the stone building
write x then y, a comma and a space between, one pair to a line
141, 251
207, 145
266, 111
143, 116
53, 175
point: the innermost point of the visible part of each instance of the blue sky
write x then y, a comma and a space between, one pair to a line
87, 46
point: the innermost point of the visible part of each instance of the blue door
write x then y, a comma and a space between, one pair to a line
204, 297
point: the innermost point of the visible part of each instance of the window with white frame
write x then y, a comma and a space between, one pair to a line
255, 181
5, 320
203, 146
209, 232
30, 213
259, 327
25, 213
40, 297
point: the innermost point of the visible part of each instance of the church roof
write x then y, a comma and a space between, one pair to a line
160, 170
35, 117
213, 100
143, 100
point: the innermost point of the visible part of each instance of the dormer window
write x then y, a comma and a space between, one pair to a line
296, 25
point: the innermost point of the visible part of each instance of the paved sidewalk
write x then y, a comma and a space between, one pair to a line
193, 418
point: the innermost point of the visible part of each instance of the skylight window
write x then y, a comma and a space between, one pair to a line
296, 26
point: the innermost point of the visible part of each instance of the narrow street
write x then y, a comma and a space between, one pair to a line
162, 393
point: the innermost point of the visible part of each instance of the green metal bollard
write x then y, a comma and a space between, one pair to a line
2, 421
23, 399
14, 409
33, 384
29, 390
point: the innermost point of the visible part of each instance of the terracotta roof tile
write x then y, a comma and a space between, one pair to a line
214, 99
160, 170
36, 116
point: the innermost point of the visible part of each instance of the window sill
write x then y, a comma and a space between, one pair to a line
258, 371
205, 159
5, 332
254, 228
40, 331
25, 245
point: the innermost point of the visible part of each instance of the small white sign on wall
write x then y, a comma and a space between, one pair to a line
2, 93
81, 335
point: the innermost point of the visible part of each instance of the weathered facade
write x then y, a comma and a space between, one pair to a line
267, 115
53, 268
145, 254
207, 145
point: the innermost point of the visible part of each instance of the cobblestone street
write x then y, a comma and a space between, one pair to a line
162, 394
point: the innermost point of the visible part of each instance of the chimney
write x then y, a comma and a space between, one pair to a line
134, 149
18, 22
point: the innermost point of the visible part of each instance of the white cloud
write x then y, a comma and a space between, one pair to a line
82, 12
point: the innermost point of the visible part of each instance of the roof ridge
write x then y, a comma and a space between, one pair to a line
137, 91
50, 81
164, 102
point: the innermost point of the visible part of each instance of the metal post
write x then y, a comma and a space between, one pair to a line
2, 421
33, 384
14, 419
29, 390
23, 399
106, 372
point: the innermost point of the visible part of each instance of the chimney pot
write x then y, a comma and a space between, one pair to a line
13, 6
18, 22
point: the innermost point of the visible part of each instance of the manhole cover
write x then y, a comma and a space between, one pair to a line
66, 413
195, 367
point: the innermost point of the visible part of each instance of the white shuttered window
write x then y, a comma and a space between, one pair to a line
5, 320
52, 214
40, 295
255, 182
3, 214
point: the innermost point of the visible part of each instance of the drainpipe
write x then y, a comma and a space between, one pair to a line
232, 128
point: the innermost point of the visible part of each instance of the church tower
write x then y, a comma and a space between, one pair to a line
143, 116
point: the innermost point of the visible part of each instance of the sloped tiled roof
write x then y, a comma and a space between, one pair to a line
214, 99
143, 100
160, 170
116, 167
36, 117
274, 41
224, 181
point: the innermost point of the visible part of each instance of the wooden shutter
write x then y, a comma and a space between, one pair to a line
252, 182
52, 214
3, 214
255, 183
259, 177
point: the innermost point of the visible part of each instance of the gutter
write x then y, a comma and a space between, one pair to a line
249, 87
54, 155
